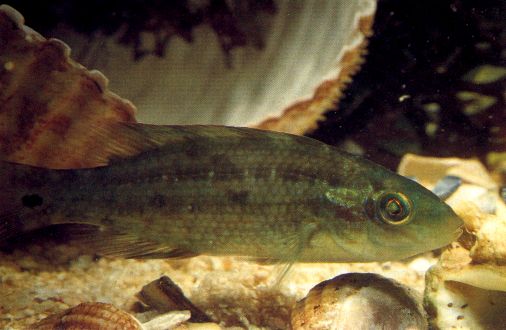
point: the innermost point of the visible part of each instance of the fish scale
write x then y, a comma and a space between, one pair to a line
188, 190
209, 196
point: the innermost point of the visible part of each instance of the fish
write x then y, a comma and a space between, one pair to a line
180, 191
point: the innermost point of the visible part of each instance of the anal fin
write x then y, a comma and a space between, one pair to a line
109, 243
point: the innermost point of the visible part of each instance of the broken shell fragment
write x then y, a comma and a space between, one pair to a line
96, 315
477, 186
462, 295
445, 187
466, 289
359, 301
164, 295
429, 170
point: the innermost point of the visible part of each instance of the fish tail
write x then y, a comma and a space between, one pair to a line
20, 200
10, 218
10, 226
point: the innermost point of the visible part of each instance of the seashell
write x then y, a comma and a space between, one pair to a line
198, 326
460, 294
476, 184
96, 315
89, 316
466, 289
359, 301
311, 50
164, 295
429, 170
445, 187
48, 102
496, 162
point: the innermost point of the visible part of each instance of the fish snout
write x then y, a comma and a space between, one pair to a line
455, 227
458, 232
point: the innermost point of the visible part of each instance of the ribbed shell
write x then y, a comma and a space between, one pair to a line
48, 102
90, 316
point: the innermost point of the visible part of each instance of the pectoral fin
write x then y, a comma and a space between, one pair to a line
293, 249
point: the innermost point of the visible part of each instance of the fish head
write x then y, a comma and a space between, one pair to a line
405, 219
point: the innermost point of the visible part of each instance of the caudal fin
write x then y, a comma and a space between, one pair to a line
18, 202
11, 216
9, 227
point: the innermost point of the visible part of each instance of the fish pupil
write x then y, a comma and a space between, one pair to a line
32, 200
394, 207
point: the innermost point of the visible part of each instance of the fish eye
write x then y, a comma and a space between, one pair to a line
394, 208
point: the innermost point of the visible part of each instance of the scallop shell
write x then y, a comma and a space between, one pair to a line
466, 289
96, 315
359, 301
311, 50
48, 102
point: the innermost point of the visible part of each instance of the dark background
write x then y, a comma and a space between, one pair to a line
406, 96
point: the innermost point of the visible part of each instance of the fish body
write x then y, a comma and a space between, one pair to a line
176, 191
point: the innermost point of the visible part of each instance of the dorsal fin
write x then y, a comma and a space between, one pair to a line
125, 140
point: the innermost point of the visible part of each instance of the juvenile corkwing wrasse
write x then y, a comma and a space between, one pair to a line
177, 191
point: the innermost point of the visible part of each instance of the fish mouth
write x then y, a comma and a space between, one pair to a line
459, 225
458, 232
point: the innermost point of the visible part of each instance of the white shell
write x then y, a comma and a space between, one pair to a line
359, 301
463, 295
309, 45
